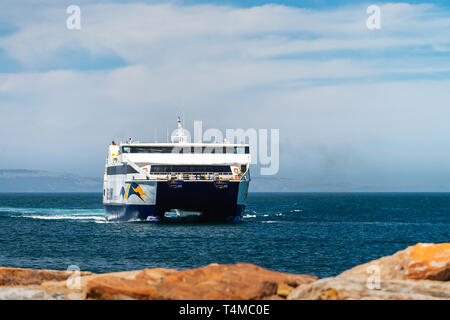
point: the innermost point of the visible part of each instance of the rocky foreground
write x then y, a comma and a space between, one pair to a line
418, 272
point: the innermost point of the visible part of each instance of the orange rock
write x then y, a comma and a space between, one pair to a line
126, 285
348, 289
429, 261
330, 294
24, 277
154, 276
223, 282
417, 272
283, 290
419, 262
111, 288
218, 282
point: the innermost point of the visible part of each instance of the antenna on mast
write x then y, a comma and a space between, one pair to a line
179, 137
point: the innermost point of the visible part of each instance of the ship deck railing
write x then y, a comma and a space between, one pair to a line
193, 176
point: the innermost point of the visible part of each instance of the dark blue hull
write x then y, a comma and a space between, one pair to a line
213, 203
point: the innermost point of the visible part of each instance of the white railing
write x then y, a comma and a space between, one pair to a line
194, 176
186, 176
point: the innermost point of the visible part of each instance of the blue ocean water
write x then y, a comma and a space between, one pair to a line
312, 233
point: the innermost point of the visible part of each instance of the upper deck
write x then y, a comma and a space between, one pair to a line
179, 157
184, 153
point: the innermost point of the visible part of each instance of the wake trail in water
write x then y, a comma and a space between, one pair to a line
96, 215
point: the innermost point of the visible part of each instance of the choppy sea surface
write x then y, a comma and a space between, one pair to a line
321, 234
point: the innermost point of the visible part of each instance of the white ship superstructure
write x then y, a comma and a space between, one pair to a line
153, 181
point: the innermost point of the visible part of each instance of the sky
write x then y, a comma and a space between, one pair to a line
357, 109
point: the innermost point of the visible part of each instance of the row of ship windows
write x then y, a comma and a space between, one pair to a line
158, 169
189, 169
218, 150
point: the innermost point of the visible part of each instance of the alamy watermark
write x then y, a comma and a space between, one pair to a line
374, 20
264, 144
73, 22
74, 280
374, 279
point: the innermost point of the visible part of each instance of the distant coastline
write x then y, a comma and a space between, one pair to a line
40, 181
21, 180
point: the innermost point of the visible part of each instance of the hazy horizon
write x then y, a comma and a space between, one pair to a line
25, 180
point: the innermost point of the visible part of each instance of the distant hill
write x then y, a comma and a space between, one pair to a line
44, 181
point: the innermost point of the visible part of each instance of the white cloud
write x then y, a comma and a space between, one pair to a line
341, 119
159, 33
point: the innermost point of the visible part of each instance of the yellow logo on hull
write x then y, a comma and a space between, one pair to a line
135, 189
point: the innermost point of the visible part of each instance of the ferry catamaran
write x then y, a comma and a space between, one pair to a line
155, 181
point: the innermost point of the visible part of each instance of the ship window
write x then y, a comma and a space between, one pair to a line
177, 150
151, 149
229, 150
148, 149
209, 150
204, 150
189, 169
236, 150
122, 169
